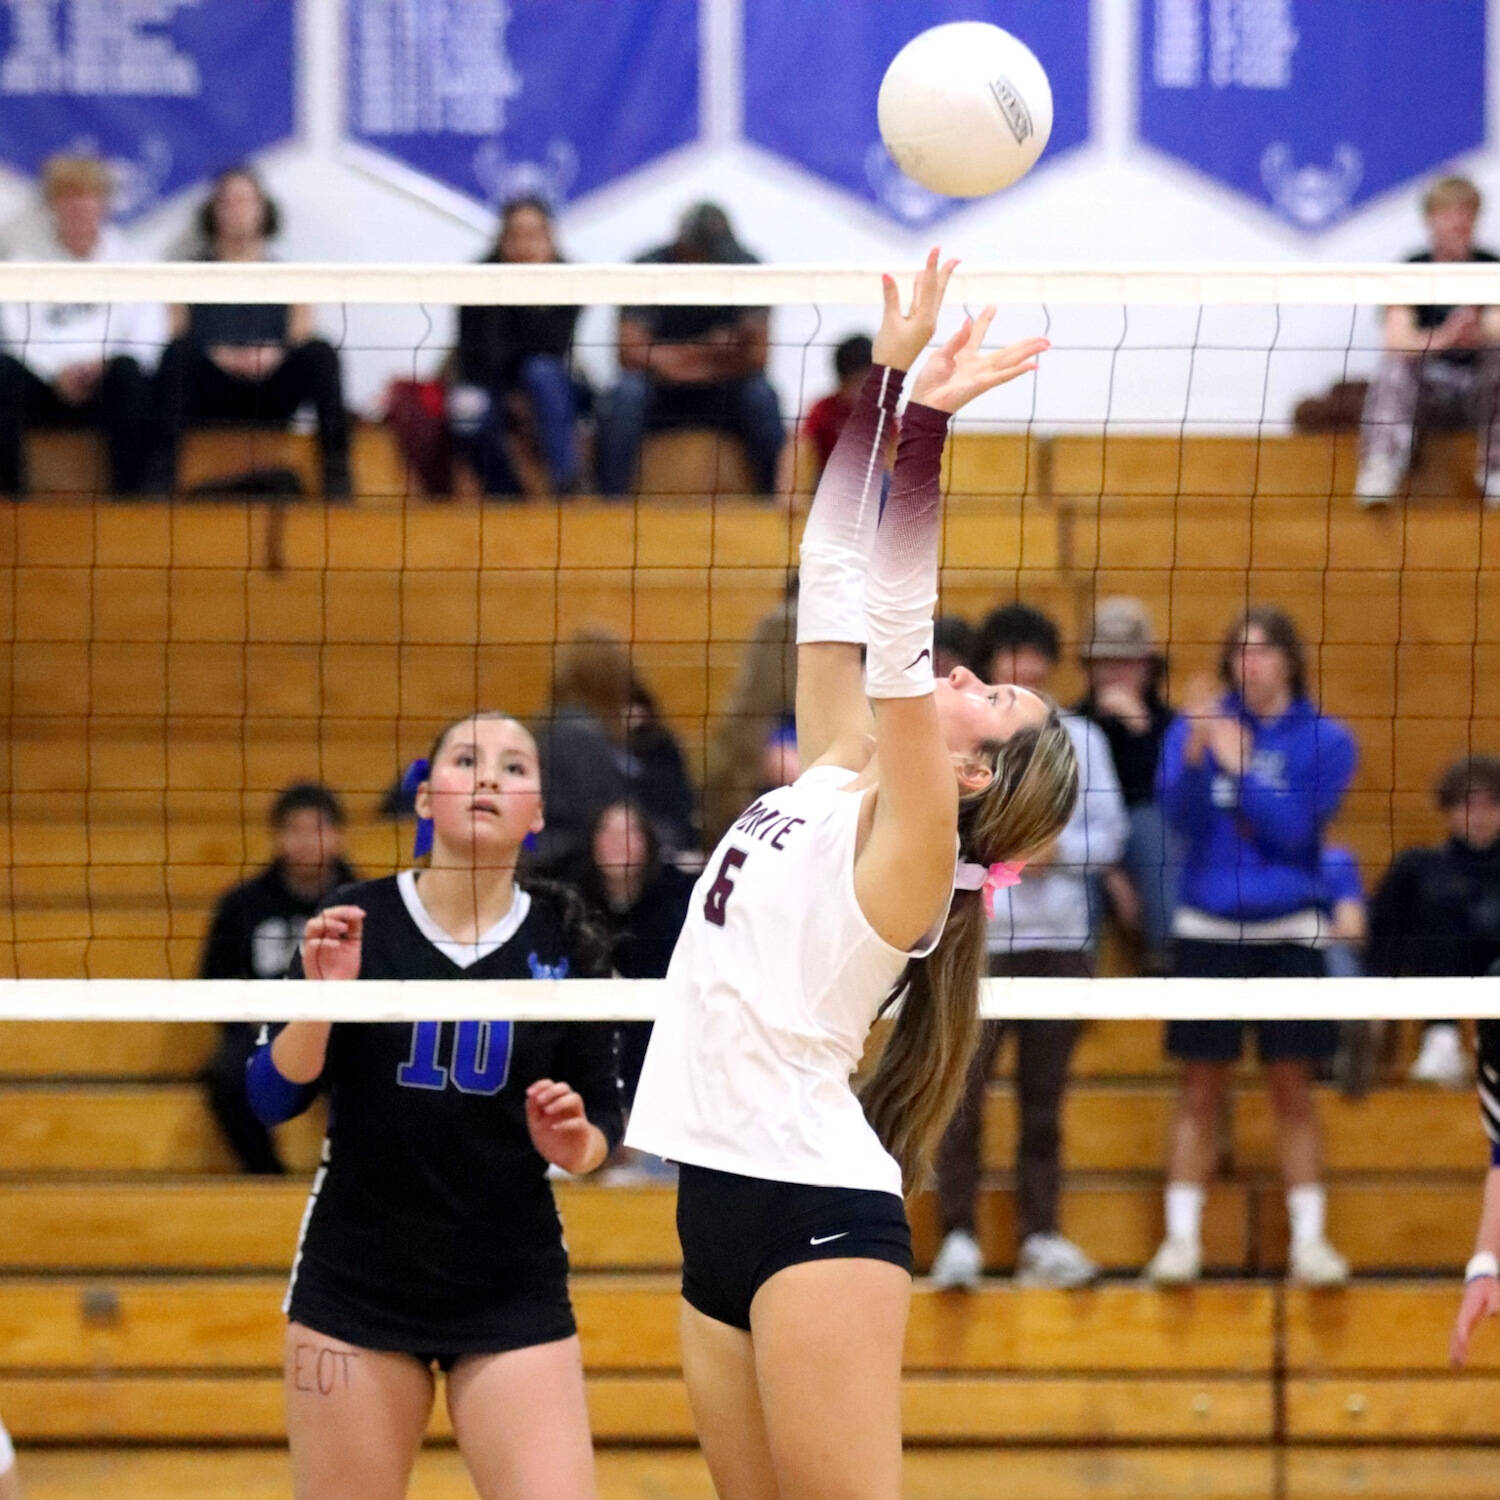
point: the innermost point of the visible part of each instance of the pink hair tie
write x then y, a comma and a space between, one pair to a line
988, 880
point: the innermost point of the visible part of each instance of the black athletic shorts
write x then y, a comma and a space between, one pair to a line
524, 1311
738, 1232
1223, 1041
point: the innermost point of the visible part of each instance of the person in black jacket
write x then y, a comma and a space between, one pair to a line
509, 354
641, 901
254, 933
431, 1237
250, 362
1437, 912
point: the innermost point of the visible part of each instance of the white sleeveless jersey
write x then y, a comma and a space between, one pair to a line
771, 992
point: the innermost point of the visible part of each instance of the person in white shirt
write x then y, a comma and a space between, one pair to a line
828, 901
79, 364
1044, 928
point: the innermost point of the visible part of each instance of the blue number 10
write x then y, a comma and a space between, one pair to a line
481, 1057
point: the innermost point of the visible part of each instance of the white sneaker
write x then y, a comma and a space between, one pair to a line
1176, 1262
1378, 481
959, 1264
1441, 1059
1317, 1263
1051, 1260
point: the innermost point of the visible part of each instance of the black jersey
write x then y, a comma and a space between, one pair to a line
432, 1201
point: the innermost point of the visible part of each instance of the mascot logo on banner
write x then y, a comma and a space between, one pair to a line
1311, 197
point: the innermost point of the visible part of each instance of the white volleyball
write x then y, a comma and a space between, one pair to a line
965, 109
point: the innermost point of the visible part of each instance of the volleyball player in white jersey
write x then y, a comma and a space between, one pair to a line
825, 900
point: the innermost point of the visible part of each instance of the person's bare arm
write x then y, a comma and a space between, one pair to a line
677, 364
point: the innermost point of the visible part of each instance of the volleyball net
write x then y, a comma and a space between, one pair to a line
172, 662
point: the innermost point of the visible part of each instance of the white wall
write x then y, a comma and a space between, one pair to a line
1111, 200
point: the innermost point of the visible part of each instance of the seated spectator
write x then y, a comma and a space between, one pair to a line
662, 784
254, 933
1437, 911
692, 366
641, 901
1045, 928
510, 356
248, 362
79, 364
760, 707
1125, 671
1251, 780
826, 417
1439, 365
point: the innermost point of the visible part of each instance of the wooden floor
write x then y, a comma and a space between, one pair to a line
1079, 1473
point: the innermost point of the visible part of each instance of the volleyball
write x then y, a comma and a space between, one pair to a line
965, 109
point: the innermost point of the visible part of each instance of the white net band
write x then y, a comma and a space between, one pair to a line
748, 285
638, 999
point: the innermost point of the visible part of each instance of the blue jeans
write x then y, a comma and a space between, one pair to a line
749, 408
553, 397
1153, 860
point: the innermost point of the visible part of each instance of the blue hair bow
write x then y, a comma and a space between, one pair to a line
413, 777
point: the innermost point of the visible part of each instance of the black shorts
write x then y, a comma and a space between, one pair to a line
522, 1312
738, 1232
1309, 1041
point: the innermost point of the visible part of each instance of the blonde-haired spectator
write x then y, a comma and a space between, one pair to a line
79, 364
1438, 365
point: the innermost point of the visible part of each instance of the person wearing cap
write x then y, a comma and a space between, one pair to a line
1125, 671
692, 366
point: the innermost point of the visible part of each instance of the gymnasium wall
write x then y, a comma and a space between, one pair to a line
1109, 198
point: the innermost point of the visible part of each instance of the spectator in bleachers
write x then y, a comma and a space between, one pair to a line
79, 364
692, 366
1251, 779
515, 362
640, 901
249, 362
254, 933
826, 417
758, 712
952, 644
1125, 671
1437, 911
662, 783
587, 743
1438, 364
1044, 927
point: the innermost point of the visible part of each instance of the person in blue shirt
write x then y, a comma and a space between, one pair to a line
1251, 778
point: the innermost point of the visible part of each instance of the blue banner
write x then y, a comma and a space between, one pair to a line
1311, 107
497, 97
813, 71
168, 91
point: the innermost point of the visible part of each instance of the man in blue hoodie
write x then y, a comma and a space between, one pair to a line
1250, 780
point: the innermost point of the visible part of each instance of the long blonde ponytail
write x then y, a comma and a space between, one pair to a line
915, 1086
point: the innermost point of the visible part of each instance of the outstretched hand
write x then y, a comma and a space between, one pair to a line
904, 335
961, 370
1481, 1300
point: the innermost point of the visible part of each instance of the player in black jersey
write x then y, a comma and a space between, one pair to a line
1481, 1297
431, 1236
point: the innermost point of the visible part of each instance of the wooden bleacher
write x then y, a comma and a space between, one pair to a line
168, 668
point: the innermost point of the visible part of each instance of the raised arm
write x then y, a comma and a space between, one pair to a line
833, 716
904, 872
